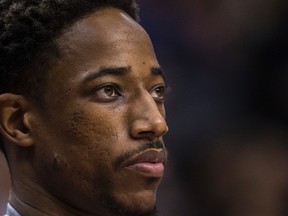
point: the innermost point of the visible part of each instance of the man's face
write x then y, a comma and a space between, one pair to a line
98, 141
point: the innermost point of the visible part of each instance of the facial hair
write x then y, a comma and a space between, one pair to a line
119, 210
144, 147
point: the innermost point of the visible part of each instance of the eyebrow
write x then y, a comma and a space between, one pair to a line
116, 71
158, 71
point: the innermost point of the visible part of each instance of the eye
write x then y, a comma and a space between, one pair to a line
107, 92
158, 93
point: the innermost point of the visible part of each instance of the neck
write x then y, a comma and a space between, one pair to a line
32, 202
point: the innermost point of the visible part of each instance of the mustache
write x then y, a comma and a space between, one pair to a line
142, 148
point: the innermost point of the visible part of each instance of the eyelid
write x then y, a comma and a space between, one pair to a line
161, 98
95, 92
104, 85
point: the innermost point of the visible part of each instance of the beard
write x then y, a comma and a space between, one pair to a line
118, 209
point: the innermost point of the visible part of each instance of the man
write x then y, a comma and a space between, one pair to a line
81, 108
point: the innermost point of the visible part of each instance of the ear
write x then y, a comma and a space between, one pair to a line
14, 119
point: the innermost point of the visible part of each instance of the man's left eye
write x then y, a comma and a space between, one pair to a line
158, 92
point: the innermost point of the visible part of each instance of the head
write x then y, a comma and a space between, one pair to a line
81, 106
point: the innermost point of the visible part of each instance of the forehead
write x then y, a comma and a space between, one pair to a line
106, 38
104, 24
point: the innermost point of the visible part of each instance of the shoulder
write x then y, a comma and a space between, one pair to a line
11, 211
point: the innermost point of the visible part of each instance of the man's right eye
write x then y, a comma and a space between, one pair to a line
107, 92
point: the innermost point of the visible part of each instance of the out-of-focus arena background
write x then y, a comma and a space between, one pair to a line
226, 63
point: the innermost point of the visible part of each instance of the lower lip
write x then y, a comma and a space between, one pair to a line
150, 169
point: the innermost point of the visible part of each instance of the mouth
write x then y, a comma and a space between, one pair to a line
150, 163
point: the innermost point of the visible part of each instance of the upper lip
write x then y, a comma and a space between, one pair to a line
148, 156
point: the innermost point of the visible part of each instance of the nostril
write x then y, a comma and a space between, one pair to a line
150, 135
160, 127
166, 130
149, 128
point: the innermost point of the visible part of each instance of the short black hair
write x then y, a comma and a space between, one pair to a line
28, 29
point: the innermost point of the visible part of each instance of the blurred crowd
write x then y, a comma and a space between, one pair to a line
226, 63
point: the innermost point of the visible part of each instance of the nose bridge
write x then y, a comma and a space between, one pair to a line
146, 117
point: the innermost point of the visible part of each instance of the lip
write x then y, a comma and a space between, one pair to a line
150, 163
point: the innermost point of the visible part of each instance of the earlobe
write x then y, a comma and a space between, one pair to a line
14, 119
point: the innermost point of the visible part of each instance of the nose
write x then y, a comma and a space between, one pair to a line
147, 118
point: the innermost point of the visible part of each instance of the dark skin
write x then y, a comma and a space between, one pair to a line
100, 132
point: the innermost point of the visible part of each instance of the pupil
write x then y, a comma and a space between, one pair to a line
108, 90
159, 91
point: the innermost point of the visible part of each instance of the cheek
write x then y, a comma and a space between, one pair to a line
162, 110
81, 151
91, 139
91, 129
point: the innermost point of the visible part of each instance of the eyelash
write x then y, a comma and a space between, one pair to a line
116, 93
103, 95
162, 92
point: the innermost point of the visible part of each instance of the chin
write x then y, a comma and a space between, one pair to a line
136, 204
144, 200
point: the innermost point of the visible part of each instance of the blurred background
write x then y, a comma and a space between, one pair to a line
226, 63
